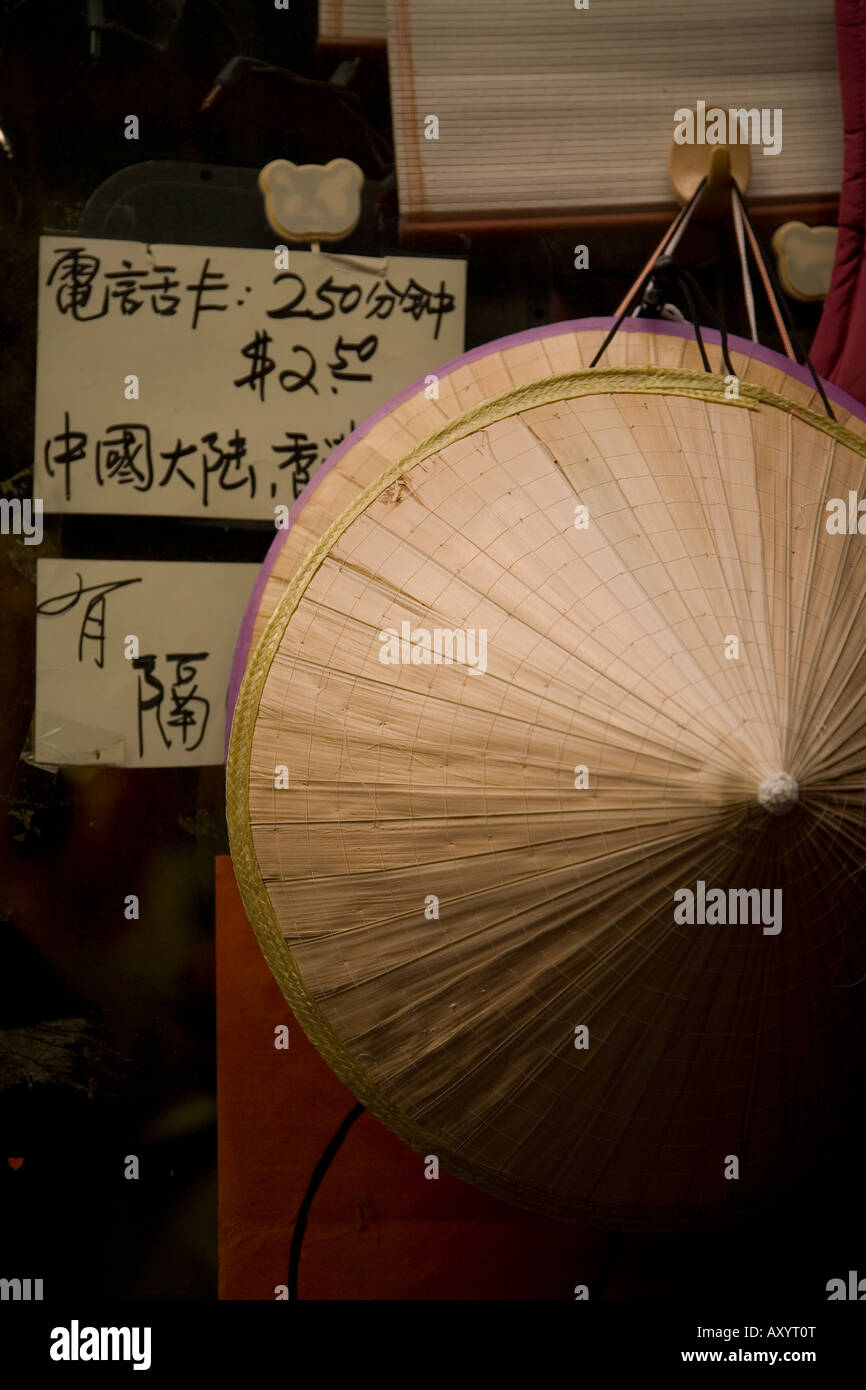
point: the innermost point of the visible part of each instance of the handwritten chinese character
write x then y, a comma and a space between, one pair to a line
174, 456
93, 624
302, 456
72, 448
74, 271
227, 459
125, 454
420, 301
124, 290
182, 714
203, 287
384, 301
162, 301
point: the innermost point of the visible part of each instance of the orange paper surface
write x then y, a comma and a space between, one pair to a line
378, 1229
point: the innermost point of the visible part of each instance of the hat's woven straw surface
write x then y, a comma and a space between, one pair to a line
606, 647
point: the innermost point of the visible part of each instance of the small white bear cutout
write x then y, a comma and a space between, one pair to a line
312, 202
804, 258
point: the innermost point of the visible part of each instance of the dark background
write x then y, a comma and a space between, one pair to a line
136, 1073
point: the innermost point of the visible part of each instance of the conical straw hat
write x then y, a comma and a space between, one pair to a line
476, 860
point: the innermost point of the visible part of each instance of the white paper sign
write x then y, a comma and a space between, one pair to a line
133, 660
206, 381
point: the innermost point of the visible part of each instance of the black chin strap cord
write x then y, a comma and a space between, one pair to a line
690, 287
664, 277
679, 278
315, 1183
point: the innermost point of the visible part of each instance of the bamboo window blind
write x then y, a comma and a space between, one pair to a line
545, 110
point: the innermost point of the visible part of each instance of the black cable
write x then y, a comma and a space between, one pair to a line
678, 224
315, 1183
692, 312
670, 280
349, 102
687, 277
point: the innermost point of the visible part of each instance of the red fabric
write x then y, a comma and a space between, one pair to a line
378, 1228
839, 348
